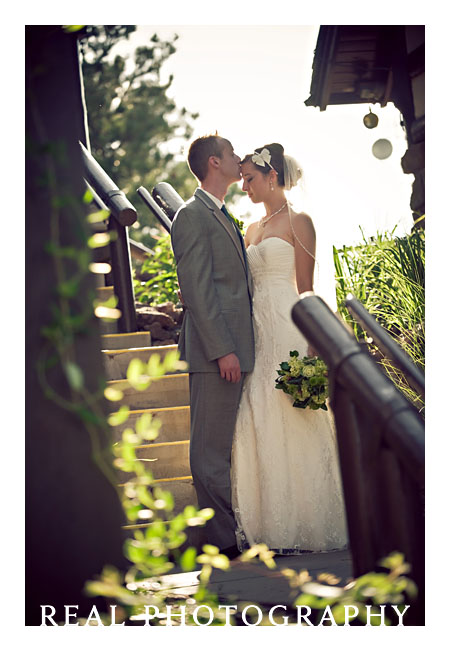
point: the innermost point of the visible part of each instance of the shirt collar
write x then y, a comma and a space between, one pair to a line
217, 201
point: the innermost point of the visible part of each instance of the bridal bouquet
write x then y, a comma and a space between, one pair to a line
305, 380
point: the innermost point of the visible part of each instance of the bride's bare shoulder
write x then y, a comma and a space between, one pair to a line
251, 229
302, 219
300, 216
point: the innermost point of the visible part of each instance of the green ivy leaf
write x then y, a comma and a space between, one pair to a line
145, 497
72, 28
168, 499
98, 216
134, 553
176, 539
189, 511
211, 550
135, 370
154, 366
178, 523
207, 513
98, 240
221, 562
111, 302
119, 417
156, 530
69, 288
88, 196
188, 559
113, 394
145, 427
74, 375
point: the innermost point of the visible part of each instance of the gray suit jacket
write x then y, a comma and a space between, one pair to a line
215, 284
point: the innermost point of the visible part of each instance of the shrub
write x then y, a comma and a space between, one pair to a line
156, 281
387, 275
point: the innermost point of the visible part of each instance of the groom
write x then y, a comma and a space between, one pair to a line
216, 338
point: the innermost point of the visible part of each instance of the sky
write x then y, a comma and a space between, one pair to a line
250, 82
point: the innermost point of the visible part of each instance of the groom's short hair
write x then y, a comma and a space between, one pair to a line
200, 151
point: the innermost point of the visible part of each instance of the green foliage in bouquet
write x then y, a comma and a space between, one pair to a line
305, 380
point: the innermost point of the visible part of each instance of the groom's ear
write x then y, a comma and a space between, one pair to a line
214, 162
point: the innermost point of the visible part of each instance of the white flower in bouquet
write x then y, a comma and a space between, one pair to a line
295, 366
308, 370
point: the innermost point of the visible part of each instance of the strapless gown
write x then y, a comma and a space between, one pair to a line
286, 484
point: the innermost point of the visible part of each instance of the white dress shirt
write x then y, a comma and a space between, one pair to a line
217, 201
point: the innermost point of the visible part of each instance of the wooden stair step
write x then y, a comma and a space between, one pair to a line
104, 293
167, 391
123, 340
117, 361
175, 423
163, 460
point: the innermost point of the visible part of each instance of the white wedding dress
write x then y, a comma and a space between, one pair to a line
286, 485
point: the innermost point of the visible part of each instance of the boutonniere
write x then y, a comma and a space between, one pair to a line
238, 222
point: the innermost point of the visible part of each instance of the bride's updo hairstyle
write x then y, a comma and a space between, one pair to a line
288, 170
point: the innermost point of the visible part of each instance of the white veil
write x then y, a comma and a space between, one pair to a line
292, 172
324, 280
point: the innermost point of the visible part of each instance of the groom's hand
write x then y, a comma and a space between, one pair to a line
230, 368
311, 352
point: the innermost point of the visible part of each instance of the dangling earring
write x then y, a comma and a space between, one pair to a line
271, 185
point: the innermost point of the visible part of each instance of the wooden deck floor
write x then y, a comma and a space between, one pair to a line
255, 583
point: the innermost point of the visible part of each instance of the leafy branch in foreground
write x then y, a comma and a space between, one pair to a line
157, 546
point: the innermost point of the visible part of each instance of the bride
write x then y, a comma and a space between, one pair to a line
286, 487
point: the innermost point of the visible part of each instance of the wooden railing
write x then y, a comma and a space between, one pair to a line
381, 443
138, 251
164, 202
123, 215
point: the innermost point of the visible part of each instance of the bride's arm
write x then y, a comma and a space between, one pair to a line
304, 234
305, 251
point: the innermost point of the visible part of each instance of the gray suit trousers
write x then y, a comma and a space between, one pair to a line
214, 403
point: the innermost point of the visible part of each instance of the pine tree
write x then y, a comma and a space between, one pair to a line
130, 116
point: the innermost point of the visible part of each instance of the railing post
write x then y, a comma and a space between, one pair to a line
353, 481
123, 282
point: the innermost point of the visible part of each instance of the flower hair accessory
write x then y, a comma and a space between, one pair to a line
262, 157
